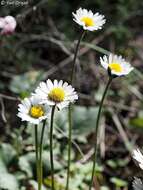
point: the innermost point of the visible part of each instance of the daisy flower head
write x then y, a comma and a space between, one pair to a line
88, 20
137, 155
116, 65
57, 93
32, 110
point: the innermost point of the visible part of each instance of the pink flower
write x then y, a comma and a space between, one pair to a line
7, 25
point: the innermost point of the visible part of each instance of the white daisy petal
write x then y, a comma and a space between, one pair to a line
137, 155
104, 62
60, 83
43, 86
55, 83
26, 103
116, 64
49, 84
88, 20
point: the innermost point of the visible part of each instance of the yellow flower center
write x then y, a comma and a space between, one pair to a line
88, 21
57, 94
36, 111
115, 67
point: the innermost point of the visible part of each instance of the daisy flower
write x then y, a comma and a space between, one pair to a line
137, 155
116, 65
88, 20
56, 93
32, 110
7, 24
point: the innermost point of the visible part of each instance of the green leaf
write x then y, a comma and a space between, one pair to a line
25, 166
46, 161
8, 182
83, 120
3, 167
118, 182
28, 80
137, 122
104, 188
112, 163
7, 153
58, 185
30, 130
123, 162
117, 163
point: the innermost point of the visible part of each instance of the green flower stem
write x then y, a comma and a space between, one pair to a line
51, 146
69, 144
96, 130
75, 55
70, 110
40, 154
37, 155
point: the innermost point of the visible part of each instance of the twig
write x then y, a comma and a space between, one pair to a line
109, 103
87, 156
9, 97
122, 132
68, 60
3, 110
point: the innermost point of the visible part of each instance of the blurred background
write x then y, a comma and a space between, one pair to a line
42, 48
